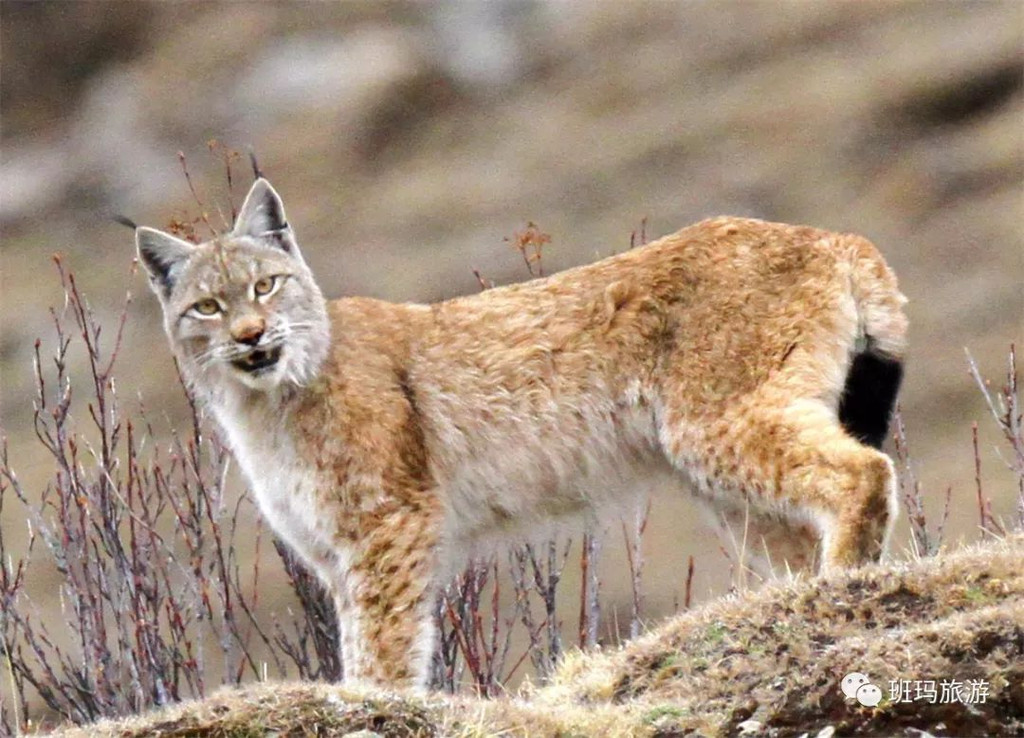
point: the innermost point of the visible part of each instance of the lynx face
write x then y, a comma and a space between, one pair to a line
243, 307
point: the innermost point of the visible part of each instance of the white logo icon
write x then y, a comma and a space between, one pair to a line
869, 695
859, 687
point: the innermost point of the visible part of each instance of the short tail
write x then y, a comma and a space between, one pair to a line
876, 370
869, 397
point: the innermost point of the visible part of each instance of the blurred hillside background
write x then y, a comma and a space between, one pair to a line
409, 139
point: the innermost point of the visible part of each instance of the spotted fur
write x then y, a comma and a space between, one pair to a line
383, 439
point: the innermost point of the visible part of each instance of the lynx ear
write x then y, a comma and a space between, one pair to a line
162, 254
262, 216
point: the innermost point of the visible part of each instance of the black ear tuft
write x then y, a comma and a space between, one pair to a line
162, 254
257, 173
124, 220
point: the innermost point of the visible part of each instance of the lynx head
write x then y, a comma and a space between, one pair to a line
242, 308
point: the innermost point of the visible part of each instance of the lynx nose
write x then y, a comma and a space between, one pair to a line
248, 330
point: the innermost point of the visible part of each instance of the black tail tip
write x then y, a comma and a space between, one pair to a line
869, 396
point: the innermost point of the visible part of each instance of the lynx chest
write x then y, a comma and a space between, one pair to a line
284, 484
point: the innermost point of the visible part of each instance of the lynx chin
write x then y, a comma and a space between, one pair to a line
753, 364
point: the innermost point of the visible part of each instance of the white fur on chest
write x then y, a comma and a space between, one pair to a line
285, 485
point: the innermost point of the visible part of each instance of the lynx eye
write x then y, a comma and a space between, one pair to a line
207, 307
264, 286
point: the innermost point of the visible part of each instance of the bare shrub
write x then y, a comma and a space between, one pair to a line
1006, 410
924, 541
141, 538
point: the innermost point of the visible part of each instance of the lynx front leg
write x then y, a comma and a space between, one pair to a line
385, 602
347, 633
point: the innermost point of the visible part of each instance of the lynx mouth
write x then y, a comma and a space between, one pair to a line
258, 361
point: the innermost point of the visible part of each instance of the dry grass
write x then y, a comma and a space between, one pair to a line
277, 709
317, 709
775, 657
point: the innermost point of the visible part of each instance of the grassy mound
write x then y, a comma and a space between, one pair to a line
768, 662
777, 656
304, 710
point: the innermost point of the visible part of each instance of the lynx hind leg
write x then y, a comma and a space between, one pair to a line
793, 456
771, 544
385, 603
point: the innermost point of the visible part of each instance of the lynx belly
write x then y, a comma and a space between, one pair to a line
515, 478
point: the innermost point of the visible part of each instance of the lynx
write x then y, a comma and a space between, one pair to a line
754, 363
